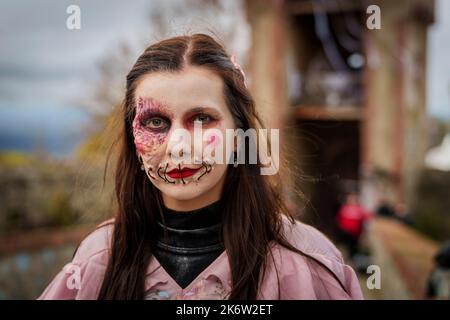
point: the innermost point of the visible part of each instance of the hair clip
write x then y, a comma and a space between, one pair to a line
238, 66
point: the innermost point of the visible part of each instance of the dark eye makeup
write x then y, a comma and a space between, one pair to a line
203, 118
154, 121
157, 121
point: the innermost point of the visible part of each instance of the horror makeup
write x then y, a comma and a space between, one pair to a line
168, 108
151, 128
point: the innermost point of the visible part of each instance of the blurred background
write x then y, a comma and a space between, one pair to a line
363, 109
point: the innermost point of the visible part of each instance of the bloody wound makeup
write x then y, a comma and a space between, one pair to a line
150, 125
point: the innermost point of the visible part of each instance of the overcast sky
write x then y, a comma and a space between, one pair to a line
43, 61
439, 62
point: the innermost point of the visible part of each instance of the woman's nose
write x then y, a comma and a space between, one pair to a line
179, 144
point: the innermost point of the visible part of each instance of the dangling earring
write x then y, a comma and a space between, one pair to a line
235, 164
141, 162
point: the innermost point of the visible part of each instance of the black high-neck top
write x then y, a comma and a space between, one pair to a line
193, 241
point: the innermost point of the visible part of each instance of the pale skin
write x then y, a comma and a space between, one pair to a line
169, 101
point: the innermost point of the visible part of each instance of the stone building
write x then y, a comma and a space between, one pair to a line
350, 100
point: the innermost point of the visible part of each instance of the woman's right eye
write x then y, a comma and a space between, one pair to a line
155, 123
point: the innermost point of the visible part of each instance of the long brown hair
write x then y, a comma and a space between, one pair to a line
253, 203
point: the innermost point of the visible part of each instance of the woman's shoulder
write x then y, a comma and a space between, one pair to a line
96, 242
318, 267
310, 240
81, 278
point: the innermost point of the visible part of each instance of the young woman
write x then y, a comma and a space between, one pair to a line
187, 226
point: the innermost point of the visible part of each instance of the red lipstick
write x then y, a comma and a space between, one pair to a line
183, 173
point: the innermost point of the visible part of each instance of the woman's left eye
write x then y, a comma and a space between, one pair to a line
202, 118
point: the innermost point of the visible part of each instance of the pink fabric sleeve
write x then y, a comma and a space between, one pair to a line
319, 273
352, 283
59, 289
77, 280
310, 280
82, 277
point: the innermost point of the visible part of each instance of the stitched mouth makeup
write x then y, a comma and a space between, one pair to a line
183, 173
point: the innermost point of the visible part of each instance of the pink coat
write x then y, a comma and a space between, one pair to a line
300, 276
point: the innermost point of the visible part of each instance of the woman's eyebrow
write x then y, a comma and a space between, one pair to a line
201, 109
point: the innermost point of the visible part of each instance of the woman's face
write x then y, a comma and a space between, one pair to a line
168, 108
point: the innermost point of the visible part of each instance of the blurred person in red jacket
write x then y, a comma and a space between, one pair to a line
350, 220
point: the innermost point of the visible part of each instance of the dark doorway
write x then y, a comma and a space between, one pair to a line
330, 155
